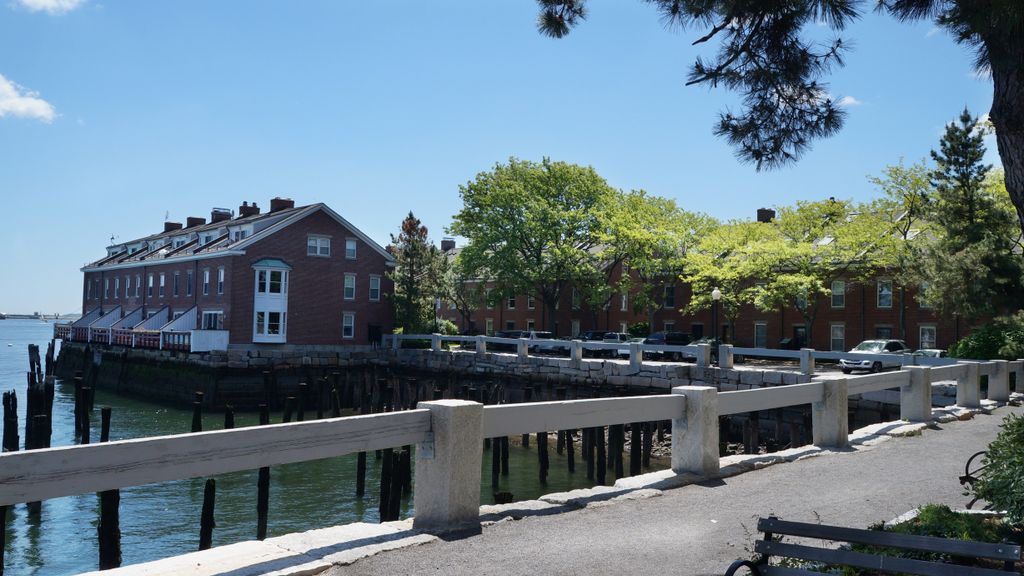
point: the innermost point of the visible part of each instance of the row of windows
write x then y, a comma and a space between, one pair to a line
274, 324
321, 246
157, 281
668, 300
350, 288
883, 294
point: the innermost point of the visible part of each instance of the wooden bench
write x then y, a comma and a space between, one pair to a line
770, 547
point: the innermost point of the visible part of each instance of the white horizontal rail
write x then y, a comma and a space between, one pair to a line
509, 419
875, 382
35, 475
741, 401
767, 352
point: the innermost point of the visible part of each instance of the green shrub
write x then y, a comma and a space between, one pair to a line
1002, 338
1002, 483
644, 329
447, 327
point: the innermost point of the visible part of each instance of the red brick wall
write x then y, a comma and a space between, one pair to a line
315, 286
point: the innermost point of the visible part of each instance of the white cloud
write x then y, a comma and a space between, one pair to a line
50, 6
847, 101
20, 103
932, 31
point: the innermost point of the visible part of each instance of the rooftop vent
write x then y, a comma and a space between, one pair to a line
246, 210
194, 221
281, 204
219, 215
168, 226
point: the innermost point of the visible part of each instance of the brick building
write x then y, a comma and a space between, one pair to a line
293, 275
856, 311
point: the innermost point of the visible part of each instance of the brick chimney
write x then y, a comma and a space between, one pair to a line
168, 226
245, 210
194, 221
219, 215
279, 203
765, 214
447, 244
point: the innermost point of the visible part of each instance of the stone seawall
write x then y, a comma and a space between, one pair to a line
235, 377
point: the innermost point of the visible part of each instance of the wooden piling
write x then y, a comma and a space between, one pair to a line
600, 466
263, 485
397, 483
303, 389
86, 392
197, 416
335, 403
588, 451
405, 467
527, 397
229, 416
542, 456
504, 455
289, 408
109, 528
206, 522
78, 402
386, 472
619, 446
495, 462
648, 443
635, 448
570, 452
11, 441
360, 474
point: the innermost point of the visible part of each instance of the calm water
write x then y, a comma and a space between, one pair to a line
160, 520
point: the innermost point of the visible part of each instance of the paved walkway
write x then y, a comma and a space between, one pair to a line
699, 529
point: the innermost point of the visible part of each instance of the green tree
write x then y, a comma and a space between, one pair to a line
462, 288
652, 235
725, 258
765, 56
533, 228
971, 268
901, 214
418, 266
812, 244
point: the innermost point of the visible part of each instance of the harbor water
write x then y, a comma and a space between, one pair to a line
162, 520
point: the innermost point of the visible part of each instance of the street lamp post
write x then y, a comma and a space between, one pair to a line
716, 295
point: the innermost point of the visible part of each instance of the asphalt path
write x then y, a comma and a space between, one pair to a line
698, 530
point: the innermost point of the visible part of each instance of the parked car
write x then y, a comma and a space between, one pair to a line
895, 348
614, 338
624, 352
667, 339
591, 336
542, 342
931, 352
505, 334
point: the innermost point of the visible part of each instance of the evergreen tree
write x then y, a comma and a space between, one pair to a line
417, 272
971, 268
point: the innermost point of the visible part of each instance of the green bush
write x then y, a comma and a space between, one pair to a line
640, 329
1002, 483
1002, 338
447, 327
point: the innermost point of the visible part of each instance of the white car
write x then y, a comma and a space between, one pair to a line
886, 347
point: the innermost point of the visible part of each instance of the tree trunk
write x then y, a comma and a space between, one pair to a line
1007, 116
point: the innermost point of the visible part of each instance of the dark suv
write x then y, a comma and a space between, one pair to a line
667, 339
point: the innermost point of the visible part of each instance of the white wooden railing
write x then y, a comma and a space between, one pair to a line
449, 436
807, 357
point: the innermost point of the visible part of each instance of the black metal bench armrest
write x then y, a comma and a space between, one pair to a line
755, 570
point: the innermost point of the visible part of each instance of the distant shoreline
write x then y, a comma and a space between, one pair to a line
38, 316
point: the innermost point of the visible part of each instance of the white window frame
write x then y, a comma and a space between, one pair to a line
878, 294
219, 323
117, 287
149, 288
922, 304
127, 286
669, 325
575, 298
163, 284
374, 288
664, 297
489, 326
920, 335
488, 295
764, 343
623, 328
350, 249
832, 337
138, 285
349, 287
188, 283
318, 245
531, 303
530, 325
624, 302
348, 324
206, 281
220, 280
511, 302
841, 293
175, 284
106, 288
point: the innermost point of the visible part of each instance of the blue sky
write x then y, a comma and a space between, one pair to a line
116, 113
